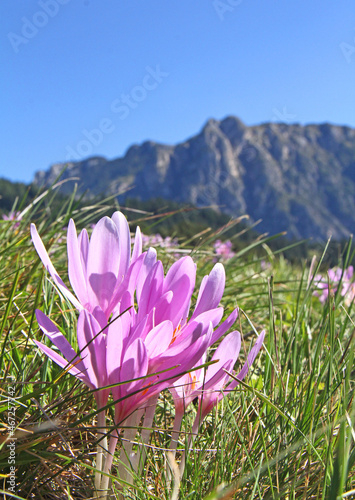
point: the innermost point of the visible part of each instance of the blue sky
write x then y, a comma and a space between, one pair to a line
92, 77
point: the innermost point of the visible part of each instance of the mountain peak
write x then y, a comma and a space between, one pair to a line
296, 178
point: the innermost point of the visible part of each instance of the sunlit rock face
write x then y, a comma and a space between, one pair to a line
295, 178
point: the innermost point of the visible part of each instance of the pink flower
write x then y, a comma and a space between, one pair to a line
135, 330
212, 384
13, 216
101, 268
156, 240
223, 250
336, 276
158, 334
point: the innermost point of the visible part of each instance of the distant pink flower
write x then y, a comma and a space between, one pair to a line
13, 216
156, 240
331, 284
264, 265
223, 249
322, 288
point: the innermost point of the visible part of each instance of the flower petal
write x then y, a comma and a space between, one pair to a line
77, 275
58, 339
159, 339
124, 243
212, 292
83, 240
138, 245
151, 290
227, 354
92, 345
224, 327
180, 280
103, 263
250, 360
43, 255
63, 363
150, 258
114, 355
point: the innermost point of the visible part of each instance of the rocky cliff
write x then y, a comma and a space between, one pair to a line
295, 178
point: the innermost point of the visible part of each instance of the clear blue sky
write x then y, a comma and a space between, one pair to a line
92, 77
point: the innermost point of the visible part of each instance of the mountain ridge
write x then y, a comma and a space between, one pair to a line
298, 178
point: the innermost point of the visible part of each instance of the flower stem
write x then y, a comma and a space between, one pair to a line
127, 457
108, 463
101, 449
176, 432
170, 470
145, 435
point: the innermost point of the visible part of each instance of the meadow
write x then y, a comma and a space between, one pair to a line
285, 432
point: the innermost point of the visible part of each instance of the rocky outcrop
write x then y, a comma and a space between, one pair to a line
295, 178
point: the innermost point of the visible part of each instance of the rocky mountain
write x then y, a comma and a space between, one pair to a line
295, 178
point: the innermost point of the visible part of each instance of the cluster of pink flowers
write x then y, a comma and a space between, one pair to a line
136, 330
156, 240
223, 250
330, 284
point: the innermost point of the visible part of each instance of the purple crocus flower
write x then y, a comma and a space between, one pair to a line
157, 334
217, 382
135, 330
100, 268
212, 384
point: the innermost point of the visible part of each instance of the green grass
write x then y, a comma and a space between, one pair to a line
286, 433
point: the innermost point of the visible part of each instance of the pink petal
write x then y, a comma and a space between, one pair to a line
151, 290
212, 291
124, 242
137, 247
149, 261
114, 355
63, 363
83, 240
134, 364
180, 280
103, 263
128, 284
77, 276
213, 316
224, 327
183, 267
162, 308
92, 345
159, 338
58, 339
43, 255
186, 354
226, 353
250, 360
